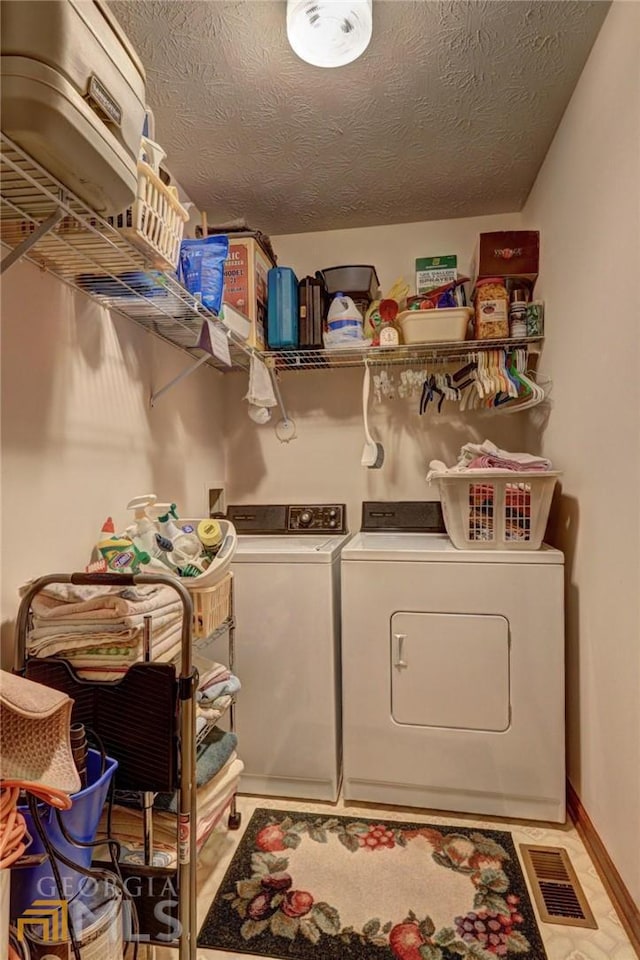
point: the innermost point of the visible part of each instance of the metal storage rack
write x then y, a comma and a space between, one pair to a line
155, 748
42, 220
296, 360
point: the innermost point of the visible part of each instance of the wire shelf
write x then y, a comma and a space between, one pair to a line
420, 353
88, 253
212, 724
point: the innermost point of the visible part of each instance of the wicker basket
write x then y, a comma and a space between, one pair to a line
211, 606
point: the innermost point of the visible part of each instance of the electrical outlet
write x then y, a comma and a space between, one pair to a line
215, 497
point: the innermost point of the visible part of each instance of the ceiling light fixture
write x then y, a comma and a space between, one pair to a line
329, 33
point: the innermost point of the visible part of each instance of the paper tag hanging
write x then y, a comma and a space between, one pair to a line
219, 343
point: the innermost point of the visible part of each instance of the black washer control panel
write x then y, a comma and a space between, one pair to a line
317, 518
280, 519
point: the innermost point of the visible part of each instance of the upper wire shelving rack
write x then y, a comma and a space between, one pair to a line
407, 354
43, 221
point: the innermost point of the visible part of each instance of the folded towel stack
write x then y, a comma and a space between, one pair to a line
213, 754
127, 824
216, 690
487, 457
100, 630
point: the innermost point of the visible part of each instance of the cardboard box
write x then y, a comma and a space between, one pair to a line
432, 272
509, 253
245, 285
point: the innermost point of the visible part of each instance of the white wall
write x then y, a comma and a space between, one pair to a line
79, 438
392, 249
323, 464
586, 203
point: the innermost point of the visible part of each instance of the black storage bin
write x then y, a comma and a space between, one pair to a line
360, 282
312, 300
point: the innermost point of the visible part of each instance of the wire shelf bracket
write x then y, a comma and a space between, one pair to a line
23, 248
45, 223
176, 380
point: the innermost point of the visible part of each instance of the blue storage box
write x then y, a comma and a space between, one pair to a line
81, 823
282, 309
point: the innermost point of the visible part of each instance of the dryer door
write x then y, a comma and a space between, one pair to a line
450, 670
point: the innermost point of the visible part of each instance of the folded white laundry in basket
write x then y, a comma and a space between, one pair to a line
489, 458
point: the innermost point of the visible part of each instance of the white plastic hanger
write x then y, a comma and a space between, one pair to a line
537, 394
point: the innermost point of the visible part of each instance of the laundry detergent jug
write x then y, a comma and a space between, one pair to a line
344, 322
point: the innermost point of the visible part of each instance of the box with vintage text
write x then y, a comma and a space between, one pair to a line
509, 253
245, 285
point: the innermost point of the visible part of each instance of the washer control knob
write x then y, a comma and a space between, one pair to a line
305, 518
333, 523
333, 513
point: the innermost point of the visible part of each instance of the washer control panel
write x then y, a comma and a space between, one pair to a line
317, 518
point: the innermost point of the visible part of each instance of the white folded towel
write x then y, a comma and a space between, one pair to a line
260, 395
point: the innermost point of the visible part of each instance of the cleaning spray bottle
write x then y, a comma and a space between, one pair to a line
187, 548
144, 533
142, 528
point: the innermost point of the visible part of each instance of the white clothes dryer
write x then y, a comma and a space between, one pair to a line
452, 670
287, 648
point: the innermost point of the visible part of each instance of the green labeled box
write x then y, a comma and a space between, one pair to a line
432, 272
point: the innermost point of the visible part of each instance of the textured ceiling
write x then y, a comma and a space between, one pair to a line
449, 113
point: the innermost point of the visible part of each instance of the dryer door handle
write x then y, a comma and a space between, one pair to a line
399, 639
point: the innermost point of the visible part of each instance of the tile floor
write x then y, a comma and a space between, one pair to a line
608, 942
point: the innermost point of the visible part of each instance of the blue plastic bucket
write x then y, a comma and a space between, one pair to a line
81, 823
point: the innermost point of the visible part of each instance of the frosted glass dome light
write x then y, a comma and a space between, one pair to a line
329, 33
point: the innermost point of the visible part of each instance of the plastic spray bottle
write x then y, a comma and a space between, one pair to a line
142, 528
144, 534
187, 547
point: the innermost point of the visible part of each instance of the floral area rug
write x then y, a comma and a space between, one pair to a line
310, 887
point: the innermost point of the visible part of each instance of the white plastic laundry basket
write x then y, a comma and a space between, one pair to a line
502, 510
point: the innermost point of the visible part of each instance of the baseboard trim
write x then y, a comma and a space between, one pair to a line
625, 907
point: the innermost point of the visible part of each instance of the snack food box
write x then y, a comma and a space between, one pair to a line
245, 285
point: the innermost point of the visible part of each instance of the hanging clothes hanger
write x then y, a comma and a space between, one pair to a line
532, 394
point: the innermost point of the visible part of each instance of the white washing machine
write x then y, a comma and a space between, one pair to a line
452, 670
287, 648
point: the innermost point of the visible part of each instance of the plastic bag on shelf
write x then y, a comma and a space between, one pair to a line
202, 269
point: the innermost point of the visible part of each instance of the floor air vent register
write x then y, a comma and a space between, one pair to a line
555, 887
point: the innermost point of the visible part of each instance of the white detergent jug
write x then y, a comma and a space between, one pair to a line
344, 320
